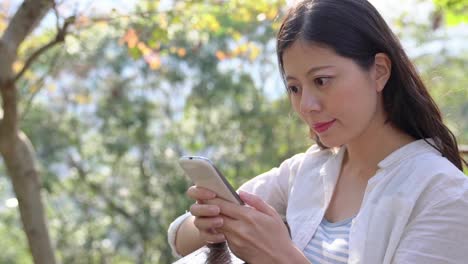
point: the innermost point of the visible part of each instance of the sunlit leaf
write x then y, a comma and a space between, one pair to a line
261, 17
272, 13
3, 25
135, 53
52, 87
163, 21
143, 48
453, 19
253, 52
236, 36
456, 11
17, 66
29, 75
82, 99
33, 88
243, 48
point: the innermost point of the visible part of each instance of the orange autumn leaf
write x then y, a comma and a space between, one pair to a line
153, 60
131, 38
221, 55
181, 52
82, 21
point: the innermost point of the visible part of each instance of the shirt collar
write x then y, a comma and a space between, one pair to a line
408, 151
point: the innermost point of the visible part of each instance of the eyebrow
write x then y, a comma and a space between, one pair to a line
312, 70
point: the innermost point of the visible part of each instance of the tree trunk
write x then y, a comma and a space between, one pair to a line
18, 153
19, 160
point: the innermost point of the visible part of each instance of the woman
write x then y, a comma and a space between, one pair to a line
384, 182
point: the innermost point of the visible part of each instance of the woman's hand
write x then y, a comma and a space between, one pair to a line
207, 216
255, 233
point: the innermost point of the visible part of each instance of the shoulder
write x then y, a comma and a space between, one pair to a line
434, 181
419, 165
419, 174
443, 195
438, 174
446, 183
438, 219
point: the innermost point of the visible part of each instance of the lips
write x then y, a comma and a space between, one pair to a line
323, 126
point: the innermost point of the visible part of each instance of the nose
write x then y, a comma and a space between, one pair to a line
309, 102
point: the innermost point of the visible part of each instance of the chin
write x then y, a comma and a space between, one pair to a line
325, 142
329, 142
330, 145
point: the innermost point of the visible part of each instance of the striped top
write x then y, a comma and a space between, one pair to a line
329, 243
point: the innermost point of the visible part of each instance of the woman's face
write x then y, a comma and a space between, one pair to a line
337, 98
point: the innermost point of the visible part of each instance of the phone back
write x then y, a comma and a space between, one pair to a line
204, 174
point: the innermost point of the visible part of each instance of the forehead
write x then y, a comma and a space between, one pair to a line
302, 55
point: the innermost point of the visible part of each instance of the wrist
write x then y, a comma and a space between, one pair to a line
292, 255
173, 233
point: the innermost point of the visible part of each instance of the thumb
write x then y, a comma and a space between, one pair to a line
257, 203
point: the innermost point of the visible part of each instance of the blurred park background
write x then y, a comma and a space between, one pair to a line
109, 94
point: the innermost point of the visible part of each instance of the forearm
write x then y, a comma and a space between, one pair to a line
187, 237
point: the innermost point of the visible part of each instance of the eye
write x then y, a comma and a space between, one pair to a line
321, 81
293, 89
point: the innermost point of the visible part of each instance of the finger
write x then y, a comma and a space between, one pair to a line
200, 193
204, 210
204, 224
214, 238
257, 203
229, 226
230, 209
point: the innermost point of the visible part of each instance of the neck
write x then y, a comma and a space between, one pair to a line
377, 142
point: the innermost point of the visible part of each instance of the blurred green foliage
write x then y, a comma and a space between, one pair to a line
455, 11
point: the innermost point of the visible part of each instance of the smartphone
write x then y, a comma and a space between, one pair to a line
205, 174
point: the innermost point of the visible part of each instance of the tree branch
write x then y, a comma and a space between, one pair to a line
29, 14
39, 83
60, 37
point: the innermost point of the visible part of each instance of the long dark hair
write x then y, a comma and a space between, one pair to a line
355, 29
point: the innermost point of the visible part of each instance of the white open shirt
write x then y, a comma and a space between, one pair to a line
415, 208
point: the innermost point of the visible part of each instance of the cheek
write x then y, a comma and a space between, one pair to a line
295, 102
355, 104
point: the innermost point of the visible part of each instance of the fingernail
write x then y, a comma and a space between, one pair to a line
218, 222
215, 210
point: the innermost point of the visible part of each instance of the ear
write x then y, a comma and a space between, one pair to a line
383, 69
